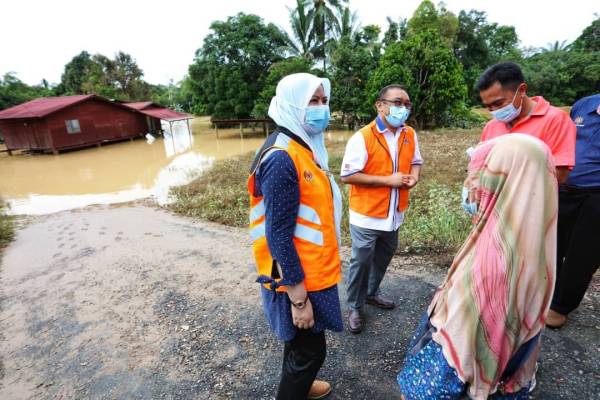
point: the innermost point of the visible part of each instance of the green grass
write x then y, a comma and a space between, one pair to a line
434, 223
7, 229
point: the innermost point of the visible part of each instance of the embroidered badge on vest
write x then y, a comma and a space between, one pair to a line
308, 176
578, 121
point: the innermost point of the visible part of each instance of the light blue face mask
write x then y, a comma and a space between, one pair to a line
316, 119
397, 116
508, 112
469, 207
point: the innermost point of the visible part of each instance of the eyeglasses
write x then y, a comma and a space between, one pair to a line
397, 103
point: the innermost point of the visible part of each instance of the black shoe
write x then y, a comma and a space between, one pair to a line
355, 321
381, 302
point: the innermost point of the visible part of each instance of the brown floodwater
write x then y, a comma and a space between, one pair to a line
119, 172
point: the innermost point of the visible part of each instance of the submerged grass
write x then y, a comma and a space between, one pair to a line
434, 223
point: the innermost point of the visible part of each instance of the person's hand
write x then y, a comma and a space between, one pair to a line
303, 319
409, 181
395, 180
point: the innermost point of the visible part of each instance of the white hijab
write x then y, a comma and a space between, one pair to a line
288, 109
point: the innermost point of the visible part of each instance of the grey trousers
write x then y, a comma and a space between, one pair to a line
372, 251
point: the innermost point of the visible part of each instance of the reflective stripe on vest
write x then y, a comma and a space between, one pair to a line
301, 231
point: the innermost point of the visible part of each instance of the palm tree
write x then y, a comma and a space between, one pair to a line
556, 46
348, 22
303, 42
325, 23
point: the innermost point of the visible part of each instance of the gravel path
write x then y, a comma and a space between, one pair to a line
133, 302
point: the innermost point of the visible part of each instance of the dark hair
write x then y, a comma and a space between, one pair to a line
384, 91
508, 74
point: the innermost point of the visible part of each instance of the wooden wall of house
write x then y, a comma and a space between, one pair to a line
31, 133
99, 121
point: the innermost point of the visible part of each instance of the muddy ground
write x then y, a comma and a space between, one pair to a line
135, 303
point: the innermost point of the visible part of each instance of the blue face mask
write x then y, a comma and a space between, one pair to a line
316, 119
397, 116
508, 112
469, 207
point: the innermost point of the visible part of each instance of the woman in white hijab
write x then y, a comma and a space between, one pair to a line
295, 229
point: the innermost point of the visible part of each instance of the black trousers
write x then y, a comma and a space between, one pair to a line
578, 247
302, 359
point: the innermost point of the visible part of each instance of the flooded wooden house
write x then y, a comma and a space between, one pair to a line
68, 122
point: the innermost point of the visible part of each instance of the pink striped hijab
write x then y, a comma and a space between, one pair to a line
498, 290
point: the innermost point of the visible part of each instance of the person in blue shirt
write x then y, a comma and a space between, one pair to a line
578, 257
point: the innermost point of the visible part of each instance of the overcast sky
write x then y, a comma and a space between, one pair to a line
37, 38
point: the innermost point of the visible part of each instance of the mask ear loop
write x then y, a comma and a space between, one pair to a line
515, 96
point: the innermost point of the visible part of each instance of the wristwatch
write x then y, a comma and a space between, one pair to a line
300, 304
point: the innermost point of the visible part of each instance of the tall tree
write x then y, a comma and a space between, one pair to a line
303, 41
13, 91
428, 17
425, 65
76, 73
589, 40
349, 25
325, 23
277, 71
353, 59
120, 78
480, 44
396, 31
228, 72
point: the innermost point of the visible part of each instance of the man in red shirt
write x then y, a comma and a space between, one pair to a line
503, 92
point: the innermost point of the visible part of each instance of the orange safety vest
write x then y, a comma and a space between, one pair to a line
375, 201
314, 235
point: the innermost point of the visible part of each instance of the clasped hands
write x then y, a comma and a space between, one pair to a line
399, 179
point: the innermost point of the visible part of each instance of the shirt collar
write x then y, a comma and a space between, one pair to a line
381, 127
592, 105
542, 106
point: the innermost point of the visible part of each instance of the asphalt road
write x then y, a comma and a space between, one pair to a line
135, 303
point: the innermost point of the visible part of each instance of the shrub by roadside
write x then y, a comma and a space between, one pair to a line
7, 229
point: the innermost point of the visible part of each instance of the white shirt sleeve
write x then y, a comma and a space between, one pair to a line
355, 157
417, 159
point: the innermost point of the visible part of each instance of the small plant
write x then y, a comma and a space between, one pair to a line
7, 229
435, 222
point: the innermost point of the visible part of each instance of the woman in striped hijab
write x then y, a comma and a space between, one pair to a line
481, 333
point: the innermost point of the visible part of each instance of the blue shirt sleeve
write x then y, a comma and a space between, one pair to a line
278, 182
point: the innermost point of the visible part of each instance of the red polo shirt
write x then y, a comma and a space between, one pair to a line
547, 123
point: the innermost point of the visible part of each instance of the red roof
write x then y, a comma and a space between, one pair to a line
140, 105
166, 114
41, 107
157, 111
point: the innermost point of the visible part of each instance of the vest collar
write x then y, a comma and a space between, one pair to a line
293, 136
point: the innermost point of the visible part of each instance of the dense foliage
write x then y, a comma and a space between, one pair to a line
436, 54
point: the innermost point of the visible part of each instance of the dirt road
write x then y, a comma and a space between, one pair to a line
135, 303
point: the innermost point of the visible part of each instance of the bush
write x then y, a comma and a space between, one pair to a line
464, 118
435, 222
219, 195
7, 229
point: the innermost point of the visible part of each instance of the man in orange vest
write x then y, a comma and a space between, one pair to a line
382, 163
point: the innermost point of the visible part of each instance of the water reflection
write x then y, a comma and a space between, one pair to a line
120, 172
